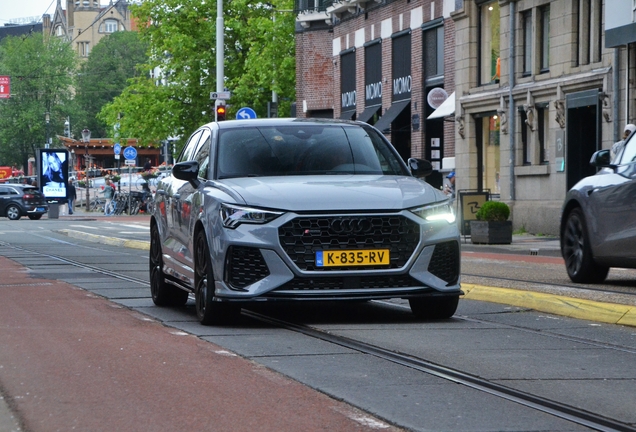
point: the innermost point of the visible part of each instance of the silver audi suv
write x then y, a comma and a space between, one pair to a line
291, 209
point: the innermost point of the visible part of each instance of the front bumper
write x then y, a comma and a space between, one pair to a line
274, 262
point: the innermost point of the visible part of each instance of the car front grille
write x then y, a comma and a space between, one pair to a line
306, 284
244, 266
445, 262
302, 237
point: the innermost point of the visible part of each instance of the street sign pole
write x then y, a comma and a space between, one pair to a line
130, 153
129, 188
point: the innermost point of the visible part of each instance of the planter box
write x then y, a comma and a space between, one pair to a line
489, 232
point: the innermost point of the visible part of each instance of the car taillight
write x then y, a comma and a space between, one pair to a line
28, 196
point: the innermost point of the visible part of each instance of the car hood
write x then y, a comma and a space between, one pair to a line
339, 192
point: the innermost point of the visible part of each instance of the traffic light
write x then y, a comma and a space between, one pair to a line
220, 113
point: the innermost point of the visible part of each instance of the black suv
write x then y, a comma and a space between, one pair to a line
21, 200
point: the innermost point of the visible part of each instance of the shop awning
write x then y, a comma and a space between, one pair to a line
447, 108
384, 124
368, 113
347, 115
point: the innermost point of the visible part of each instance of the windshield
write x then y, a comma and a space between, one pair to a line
305, 150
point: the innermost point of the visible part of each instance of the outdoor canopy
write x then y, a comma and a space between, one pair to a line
447, 108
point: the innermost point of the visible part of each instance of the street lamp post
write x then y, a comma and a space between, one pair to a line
47, 119
86, 137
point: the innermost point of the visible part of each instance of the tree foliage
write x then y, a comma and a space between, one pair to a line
104, 76
41, 72
175, 99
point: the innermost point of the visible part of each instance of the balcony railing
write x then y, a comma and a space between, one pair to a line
305, 6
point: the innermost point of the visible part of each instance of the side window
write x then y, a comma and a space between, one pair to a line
4, 191
188, 150
202, 153
629, 151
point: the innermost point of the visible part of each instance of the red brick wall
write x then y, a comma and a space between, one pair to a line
314, 71
318, 71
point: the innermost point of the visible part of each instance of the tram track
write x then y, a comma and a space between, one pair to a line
578, 287
526, 399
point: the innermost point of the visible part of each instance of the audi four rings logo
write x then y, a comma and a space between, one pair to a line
350, 226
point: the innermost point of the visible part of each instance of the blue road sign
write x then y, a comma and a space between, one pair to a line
117, 148
245, 113
130, 153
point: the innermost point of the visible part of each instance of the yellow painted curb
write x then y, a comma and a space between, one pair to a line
611, 313
113, 241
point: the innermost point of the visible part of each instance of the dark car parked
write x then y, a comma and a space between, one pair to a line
18, 200
598, 223
300, 210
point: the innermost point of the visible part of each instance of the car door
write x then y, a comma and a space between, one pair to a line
175, 250
5, 197
190, 197
613, 203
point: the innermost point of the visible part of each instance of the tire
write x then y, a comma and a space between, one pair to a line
162, 293
35, 217
577, 252
433, 308
13, 212
209, 312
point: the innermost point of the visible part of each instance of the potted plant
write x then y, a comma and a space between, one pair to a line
492, 225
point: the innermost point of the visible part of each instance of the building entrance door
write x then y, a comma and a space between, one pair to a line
583, 134
488, 154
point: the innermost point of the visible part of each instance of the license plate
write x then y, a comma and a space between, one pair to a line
352, 258
40, 209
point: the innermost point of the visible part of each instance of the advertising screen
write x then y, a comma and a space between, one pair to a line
53, 173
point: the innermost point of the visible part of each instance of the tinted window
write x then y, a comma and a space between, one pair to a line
304, 150
188, 150
202, 153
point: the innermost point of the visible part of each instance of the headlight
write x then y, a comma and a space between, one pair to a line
436, 212
234, 215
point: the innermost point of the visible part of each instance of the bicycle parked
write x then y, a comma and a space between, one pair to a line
97, 204
123, 202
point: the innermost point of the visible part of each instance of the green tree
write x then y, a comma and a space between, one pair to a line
41, 72
260, 55
174, 99
105, 75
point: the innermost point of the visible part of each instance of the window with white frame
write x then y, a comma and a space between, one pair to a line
110, 26
83, 49
489, 42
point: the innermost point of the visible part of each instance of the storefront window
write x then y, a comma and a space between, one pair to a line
490, 154
489, 42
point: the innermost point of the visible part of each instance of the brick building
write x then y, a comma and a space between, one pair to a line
537, 86
386, 63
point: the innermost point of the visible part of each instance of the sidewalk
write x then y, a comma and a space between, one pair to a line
75, 362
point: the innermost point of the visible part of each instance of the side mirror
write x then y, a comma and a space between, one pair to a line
187, 171
420, 167
600, 159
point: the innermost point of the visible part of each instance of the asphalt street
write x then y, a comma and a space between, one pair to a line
128, 233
